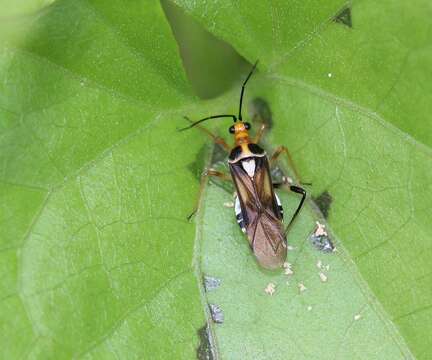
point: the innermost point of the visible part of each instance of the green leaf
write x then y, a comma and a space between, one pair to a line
324, 91
12, 10
96, 256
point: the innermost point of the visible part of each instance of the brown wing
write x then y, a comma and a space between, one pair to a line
260, 211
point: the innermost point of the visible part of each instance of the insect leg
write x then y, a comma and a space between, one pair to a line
219, 174
298, 190
284, 150
216, 139
243, 89
260, 133
206, 174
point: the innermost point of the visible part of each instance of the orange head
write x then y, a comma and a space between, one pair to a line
241, 132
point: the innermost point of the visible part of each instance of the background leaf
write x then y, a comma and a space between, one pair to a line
96, 257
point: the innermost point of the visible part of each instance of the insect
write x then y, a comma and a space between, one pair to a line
257, 208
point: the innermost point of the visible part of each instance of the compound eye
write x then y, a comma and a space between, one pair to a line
231, 130
247, 125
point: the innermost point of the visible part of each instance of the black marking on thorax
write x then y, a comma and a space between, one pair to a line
235, 153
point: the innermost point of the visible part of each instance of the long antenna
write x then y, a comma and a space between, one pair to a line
242, 89
207, 118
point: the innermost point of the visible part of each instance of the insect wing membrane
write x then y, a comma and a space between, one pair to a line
261, 215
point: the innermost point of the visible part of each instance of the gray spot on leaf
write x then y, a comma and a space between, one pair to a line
211, 283
216, 313
205, 349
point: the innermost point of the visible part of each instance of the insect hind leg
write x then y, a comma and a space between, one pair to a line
298, 190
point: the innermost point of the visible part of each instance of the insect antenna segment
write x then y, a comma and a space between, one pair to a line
243, 88
234, 117
207, 118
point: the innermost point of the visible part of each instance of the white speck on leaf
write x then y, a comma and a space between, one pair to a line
323, 277
288, 271
270, 289
329, 75
319, 264
357, 317
287, 265
287, 179
309, 308
301, 287
229, 204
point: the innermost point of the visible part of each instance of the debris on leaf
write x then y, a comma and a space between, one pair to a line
323, 277
327, 267
211, 283
301, 287
270, 289
290, 248
287, 180
206, 347
357, 317
216, 313
288, 268
320, 230
319, 264
288, 271
321, 240
229, 204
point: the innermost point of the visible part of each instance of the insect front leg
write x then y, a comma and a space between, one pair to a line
260, 133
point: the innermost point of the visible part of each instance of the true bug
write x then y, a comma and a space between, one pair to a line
258, 210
